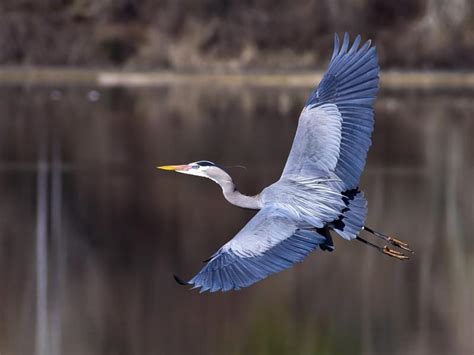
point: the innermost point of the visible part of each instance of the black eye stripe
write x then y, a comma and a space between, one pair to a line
205, 163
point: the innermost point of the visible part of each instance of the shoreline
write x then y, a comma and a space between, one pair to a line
389, 79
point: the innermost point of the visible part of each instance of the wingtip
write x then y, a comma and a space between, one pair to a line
345, 43
179, 280
335, 51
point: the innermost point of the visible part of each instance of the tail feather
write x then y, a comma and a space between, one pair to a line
352, 219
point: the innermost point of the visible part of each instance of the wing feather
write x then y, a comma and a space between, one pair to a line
269, 243
316, 145
349, 87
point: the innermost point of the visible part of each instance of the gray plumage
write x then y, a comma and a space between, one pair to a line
318, 189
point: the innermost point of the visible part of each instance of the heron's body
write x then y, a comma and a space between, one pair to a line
318, 190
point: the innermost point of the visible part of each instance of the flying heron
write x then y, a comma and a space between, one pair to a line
318, 191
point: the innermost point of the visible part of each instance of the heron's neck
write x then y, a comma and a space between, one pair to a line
236, 198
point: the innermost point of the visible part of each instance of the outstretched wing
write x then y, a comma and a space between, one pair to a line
334, 129
269, 243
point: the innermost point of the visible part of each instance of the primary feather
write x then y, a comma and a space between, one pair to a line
334, 130
269, 243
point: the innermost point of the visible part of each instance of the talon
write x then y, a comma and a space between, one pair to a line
394, 254
392, 251
399, 244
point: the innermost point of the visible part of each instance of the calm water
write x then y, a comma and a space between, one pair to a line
91, 232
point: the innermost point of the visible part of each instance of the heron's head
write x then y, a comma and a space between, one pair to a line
203, 168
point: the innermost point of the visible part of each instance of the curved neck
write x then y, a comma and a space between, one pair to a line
232, 195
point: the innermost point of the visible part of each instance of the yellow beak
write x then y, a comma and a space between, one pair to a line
172, 167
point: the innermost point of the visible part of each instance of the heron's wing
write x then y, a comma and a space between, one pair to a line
334, 129
269, 243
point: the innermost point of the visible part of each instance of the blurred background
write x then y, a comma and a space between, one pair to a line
95, 94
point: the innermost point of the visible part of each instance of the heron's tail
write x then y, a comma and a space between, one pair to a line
352, 219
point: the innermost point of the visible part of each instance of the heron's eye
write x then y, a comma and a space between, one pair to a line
196, 167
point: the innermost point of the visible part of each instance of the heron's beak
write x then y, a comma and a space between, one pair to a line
174, 167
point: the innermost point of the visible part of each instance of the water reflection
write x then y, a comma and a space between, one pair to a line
112, 229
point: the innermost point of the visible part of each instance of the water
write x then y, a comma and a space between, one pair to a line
91, 232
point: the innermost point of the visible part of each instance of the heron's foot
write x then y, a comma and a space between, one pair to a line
400, 244
394, 241
394, 254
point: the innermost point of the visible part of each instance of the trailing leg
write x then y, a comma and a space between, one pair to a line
391, 240
385, 250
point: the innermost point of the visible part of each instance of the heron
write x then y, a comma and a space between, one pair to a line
318, 192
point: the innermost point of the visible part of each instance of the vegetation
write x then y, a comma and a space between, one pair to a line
226, 35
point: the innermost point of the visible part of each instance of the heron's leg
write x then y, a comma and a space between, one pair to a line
391, 240
385, 250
